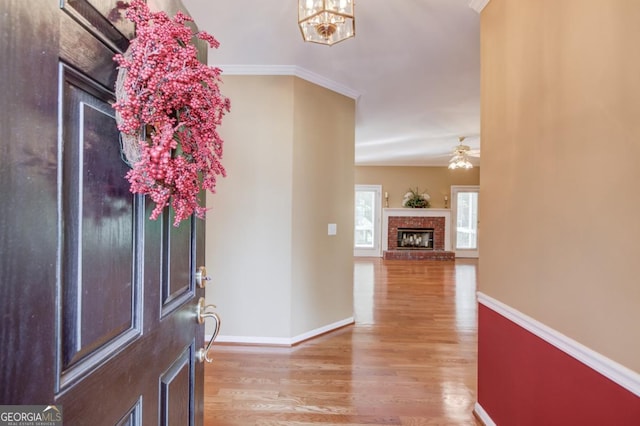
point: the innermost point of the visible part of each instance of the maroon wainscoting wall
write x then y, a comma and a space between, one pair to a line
523, 380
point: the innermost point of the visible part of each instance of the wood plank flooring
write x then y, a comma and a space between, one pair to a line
410, 359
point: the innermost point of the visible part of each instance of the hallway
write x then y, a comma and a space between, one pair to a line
410, 359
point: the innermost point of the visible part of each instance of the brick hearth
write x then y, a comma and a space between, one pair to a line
419, 255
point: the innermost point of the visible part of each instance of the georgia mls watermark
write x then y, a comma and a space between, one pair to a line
30, 415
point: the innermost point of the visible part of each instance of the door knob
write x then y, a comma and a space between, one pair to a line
204, 312
202, 277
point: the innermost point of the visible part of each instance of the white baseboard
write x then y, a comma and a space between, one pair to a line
282, 341
615, 372
482, 415
321, 330
251, 340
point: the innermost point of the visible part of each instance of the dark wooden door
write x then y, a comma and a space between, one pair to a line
97, 302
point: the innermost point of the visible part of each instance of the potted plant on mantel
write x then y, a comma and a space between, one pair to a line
415, 199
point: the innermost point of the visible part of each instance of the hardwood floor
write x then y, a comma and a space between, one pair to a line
410, 359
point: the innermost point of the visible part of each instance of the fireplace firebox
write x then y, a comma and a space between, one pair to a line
415, 238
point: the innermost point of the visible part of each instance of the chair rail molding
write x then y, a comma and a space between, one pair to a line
617, 373
482, 415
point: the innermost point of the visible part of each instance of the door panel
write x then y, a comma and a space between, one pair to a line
99, 287
177, 285
98, 301
176, 398
115, 30
133, 416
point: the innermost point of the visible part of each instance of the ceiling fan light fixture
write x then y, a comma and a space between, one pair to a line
460, 159
460, 163
326, 21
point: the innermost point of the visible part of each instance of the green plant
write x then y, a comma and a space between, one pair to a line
414, 199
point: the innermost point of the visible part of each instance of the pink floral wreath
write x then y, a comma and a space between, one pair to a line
163, 88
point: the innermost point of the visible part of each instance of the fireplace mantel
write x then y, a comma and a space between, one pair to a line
409, 212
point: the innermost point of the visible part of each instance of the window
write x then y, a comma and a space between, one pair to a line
368, 211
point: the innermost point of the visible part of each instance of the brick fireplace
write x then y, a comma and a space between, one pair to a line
413, 222
406, 218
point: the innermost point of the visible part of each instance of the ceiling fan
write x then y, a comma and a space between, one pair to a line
461, 148
460, 154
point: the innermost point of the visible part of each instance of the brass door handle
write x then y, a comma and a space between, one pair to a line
202, 277
204, 312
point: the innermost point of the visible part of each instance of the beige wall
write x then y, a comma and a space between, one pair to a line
267, 247
323, 156
560, 152
248, 229
396, 181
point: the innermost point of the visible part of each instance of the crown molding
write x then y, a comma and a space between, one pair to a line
293, 70
478, 5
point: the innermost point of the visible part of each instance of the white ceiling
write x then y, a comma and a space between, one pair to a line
414, 67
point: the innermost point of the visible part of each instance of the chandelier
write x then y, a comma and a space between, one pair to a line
326, 21
460, 159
